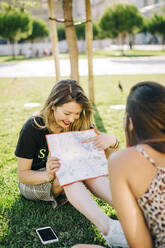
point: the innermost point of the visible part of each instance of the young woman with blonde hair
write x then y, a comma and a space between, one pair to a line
66, 109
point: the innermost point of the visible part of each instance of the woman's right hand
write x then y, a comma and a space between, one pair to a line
52, 166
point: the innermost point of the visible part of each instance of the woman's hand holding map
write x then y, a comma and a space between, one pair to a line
52, 165
102, 141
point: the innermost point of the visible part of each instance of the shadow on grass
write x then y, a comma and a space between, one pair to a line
98, 120
26, 216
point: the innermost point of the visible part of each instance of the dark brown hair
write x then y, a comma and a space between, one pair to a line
146, 108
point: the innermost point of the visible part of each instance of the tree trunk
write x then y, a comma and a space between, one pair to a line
120, 43
133, 39
54, 39
163, 40
130, 41
71, 39
89, 39
12, 43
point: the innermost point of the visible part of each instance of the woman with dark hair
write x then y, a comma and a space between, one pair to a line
137, 173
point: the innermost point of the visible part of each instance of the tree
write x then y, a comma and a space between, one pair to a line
39, 29
89, 39
156, 26
71, 39
121, 20
134, 21
80, 31
15, 24
61, 33
144, 28
54, 39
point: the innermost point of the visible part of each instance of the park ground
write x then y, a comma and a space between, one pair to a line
19, 218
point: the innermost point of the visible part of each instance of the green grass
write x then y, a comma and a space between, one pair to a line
128, 53
96, 54
19, 217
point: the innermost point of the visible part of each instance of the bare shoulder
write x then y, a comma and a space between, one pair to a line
123, 157
130, 166
126, 161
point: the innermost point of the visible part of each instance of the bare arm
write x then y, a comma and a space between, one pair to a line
34, 177
129, 213
28, 176
104, 141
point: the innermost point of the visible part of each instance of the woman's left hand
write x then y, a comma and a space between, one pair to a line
102, 141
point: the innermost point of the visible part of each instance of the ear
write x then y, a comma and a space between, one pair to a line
130, 124
53, 107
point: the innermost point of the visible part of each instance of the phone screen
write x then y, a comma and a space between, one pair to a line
47, 234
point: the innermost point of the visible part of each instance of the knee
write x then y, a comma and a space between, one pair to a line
73, 190
69, 190
86, 246
77, 246
80, 246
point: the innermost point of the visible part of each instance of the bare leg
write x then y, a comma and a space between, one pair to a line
87, 246
79, 196
100, 187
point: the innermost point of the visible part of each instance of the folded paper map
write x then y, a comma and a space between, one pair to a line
79, 161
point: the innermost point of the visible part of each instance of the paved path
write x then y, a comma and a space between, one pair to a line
104, 66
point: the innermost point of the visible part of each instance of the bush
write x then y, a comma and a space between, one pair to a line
80, 31
61, 33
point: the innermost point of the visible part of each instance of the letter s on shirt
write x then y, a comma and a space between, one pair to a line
42, 153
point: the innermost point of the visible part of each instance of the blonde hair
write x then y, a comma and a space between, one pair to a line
63, 92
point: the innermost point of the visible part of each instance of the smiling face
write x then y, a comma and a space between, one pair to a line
67, 113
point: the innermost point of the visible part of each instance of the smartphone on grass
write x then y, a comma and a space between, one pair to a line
47, 235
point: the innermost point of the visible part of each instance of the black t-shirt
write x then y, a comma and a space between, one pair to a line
32, 143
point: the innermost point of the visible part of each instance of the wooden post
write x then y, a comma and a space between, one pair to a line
71, 39
54, 39
89, 39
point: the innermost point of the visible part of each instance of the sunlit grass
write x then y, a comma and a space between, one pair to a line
19, 217
96, 54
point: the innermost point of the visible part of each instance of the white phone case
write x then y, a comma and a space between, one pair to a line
47, 235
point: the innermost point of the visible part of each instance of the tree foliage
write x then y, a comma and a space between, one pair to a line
23, 4
61, 33
120, 19
144, 28
39, 29
14, 24
156, 25
80, 31
133, 19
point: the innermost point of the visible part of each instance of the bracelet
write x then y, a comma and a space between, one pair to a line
115, 146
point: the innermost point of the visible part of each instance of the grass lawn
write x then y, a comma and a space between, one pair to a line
19, 218
96, 54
